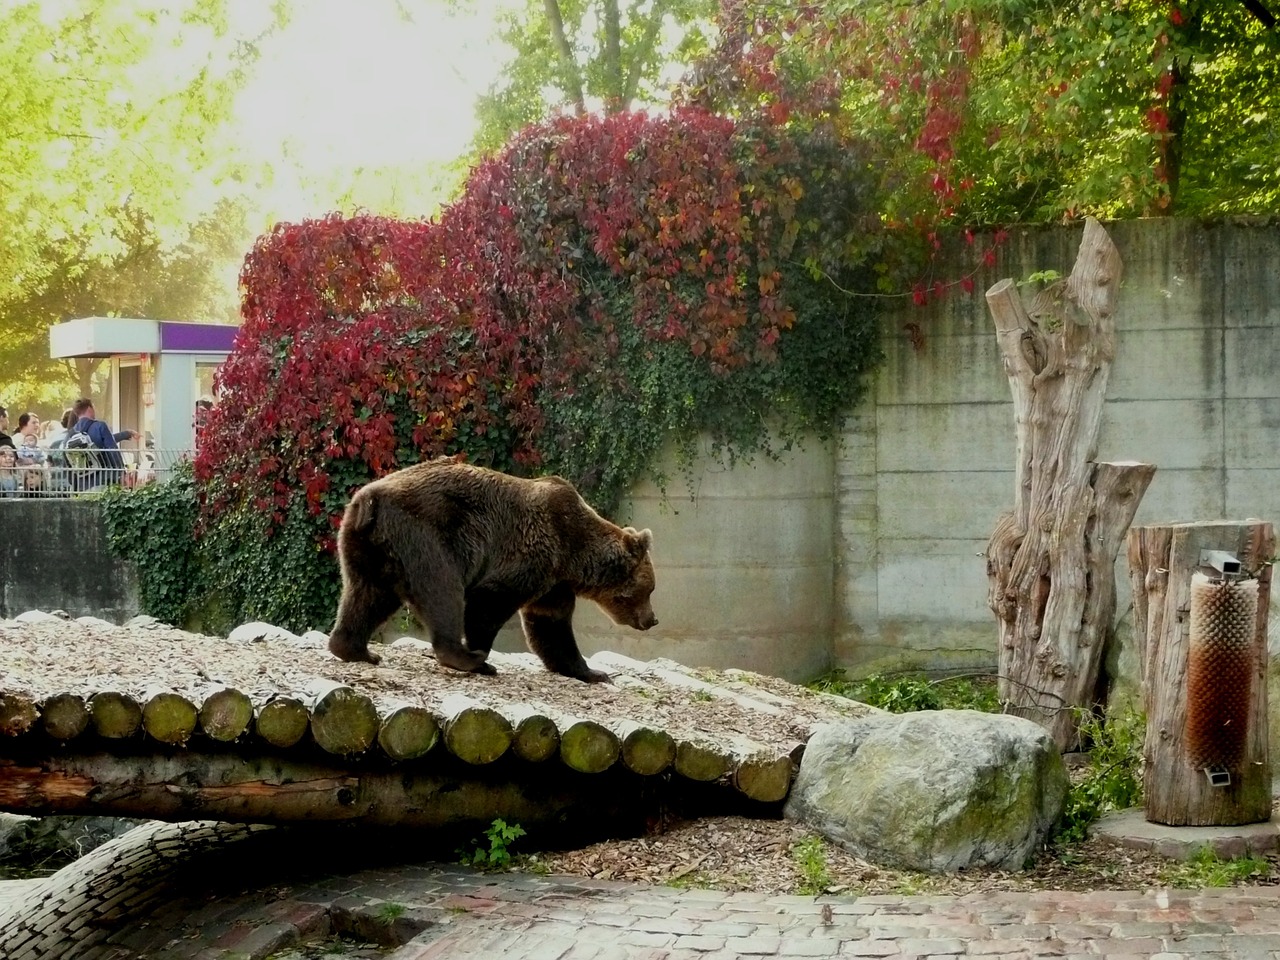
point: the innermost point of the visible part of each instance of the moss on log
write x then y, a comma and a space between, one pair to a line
407, 732
169, 717
115, 716
762, 774
646, 750
536, 738
282, 721
225, 714
64, 716
702, 760
343, 721
472, 731
588, 747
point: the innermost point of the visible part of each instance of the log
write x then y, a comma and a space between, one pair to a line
115, 716
225, 714
18, 713
535, 736
282, 721
761, 773
343, 721
169, 717
194, 784
1163, 563
646, 750
64, 716
1051, 560
702, 760
473, 732
588, 746
406, 731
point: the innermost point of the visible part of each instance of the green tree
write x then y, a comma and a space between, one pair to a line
576, 55
107, 132
1003, 110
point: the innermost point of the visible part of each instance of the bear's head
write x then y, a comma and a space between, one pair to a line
626, 600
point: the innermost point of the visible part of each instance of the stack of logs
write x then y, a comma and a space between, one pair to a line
335, 753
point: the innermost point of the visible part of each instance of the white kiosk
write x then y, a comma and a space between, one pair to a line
159, 369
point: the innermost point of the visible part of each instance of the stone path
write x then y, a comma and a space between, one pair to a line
432, 911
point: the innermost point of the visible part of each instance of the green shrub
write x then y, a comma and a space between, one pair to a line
907, 692
1114, 778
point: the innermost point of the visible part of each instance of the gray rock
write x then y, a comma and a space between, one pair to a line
259, 632
144, 622
37, 616
96, 622
939, 790
314, 638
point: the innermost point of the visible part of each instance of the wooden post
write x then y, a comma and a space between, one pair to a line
1162, 560
1051, 560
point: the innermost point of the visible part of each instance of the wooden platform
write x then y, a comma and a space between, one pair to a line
156, 722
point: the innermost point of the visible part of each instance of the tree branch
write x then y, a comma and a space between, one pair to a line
572, 80
613, 55
1263, 15
643, 51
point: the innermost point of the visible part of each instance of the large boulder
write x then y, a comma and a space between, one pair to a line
939, 790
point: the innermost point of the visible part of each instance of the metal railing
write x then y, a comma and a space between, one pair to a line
59, 473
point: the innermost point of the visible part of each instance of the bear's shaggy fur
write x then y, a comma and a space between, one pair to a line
465, 548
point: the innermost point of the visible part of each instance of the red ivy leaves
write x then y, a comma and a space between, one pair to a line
369, 343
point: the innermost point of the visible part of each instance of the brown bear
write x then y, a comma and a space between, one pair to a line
466, 547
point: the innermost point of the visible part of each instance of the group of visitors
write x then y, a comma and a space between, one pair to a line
77, 455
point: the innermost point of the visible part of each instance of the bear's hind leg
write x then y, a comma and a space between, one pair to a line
548, 630
486, 611
363, 608
439, 606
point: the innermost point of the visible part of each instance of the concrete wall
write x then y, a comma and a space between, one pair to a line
54, 556
869, 553
927, 466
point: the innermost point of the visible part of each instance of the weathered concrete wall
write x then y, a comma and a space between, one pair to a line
870, 555
927, 467
54, 556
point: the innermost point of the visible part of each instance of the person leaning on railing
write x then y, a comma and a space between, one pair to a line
9, 473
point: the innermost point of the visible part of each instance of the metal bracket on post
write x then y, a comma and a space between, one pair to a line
1227, 565
1217, 777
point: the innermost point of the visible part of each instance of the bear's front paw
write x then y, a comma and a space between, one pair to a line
595, 676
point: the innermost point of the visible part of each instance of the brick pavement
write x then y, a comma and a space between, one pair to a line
426, 912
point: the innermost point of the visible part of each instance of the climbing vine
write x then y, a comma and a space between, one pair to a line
604, 288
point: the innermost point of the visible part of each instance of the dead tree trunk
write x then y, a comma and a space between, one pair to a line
1051, 561
1195, 706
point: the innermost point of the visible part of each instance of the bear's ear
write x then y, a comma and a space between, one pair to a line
638, 541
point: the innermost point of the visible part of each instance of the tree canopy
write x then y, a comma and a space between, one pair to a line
1009, 110
106, 151
572, 56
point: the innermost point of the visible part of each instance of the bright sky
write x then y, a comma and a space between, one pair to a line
351, 84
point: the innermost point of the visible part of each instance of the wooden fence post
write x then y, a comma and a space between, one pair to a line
1162, 562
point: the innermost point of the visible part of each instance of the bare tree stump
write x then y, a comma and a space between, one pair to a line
1162, 562
1051, 561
